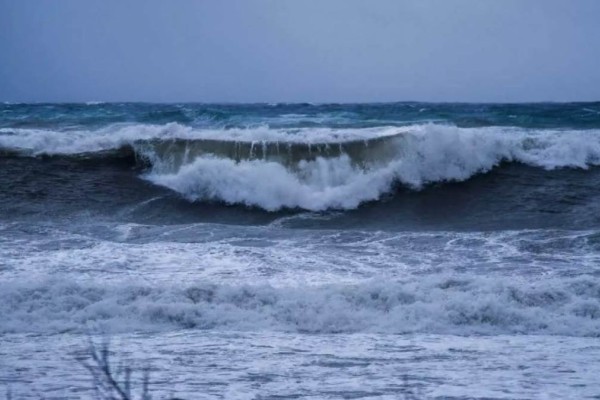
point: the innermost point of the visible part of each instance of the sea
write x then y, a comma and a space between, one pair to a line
301, 251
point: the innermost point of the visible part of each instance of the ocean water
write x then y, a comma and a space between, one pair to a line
284, 251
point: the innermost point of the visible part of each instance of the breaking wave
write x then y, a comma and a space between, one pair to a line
310, 168
429, 304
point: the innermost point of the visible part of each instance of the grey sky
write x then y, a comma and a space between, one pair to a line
299, 50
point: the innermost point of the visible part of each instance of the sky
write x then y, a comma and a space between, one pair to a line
299, 50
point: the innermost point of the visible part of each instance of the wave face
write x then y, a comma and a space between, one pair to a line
432, 304
310, 168
417, 157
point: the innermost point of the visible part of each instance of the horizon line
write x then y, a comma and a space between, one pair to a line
311, 103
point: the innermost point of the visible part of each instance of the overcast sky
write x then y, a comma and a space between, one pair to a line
299, 50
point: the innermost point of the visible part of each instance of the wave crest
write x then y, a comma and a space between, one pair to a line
313, 168
427, 154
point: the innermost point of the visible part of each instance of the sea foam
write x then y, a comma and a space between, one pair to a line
425, 155
315, 168
427, 304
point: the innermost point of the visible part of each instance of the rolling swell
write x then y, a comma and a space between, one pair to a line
308, 168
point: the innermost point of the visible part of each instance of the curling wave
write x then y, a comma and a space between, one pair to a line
365, 171
311, 168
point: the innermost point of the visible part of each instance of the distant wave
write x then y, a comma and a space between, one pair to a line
429, 304
311, 168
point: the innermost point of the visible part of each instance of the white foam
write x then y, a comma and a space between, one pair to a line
422, 154
427, 304
234, 255
317, 185
427, 154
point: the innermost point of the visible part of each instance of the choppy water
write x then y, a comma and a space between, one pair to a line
291, 251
